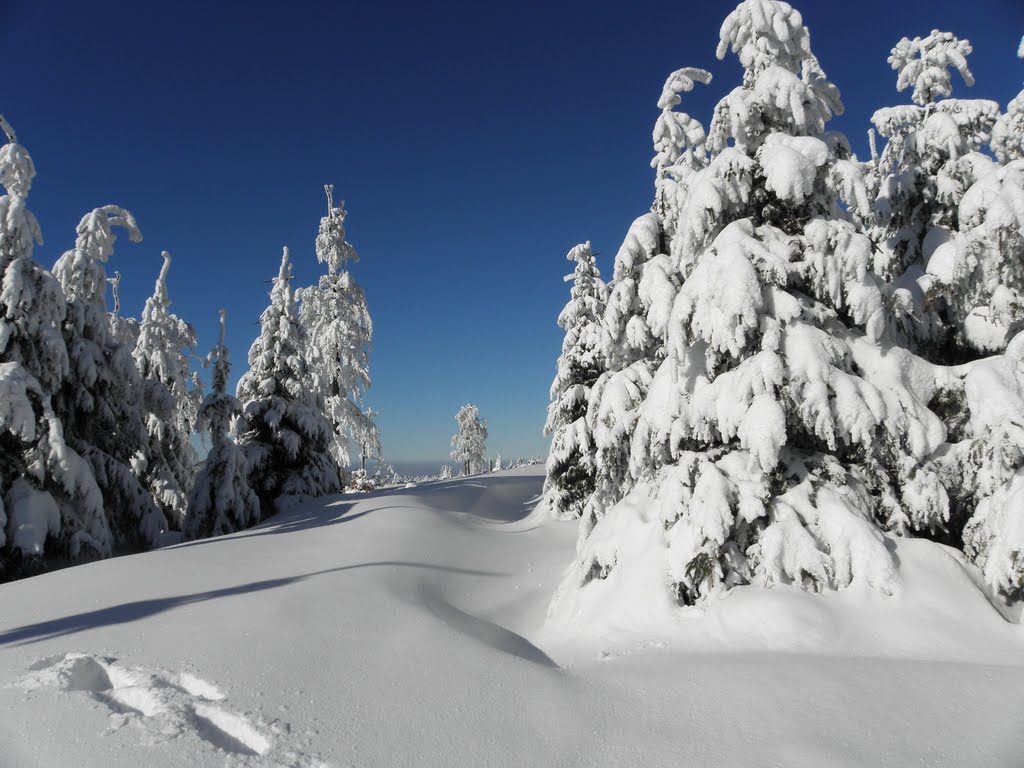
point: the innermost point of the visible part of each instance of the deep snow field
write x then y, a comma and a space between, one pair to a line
407, 628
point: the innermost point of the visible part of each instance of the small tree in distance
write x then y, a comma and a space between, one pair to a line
468, 444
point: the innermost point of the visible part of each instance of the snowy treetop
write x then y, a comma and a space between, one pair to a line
16, 167
220, 357
331, 247
80, 270
924, 64
675, 133
681, 81
784, 87
763, 33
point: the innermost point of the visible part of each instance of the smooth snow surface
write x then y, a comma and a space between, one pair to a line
407, 627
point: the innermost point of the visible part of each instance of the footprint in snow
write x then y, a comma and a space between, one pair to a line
165, 705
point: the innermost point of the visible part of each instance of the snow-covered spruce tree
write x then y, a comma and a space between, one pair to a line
768, 435
162, 351
339, 331
221, 500
103, 401
570, 467
469, 443
446, 472
48, 495
286, 437
975, 264
973, 280
931, 158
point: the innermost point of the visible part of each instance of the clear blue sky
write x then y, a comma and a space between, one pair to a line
474, 144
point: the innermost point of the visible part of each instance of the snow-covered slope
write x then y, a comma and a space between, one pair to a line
407, 628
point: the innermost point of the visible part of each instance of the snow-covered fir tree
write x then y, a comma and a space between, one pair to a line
469, 443
103, 401
288, 441
497, 464
931, 158
569, 482
165, 344
48, 494
767, 416
446, 472
339, 332
973, 259
221, 500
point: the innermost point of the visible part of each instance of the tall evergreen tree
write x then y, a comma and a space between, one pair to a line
339, 331
35, 459
103, 401
973, 282
221, 500
570, 468
931, 158
286, 437
756, 438
162, 351
831, 350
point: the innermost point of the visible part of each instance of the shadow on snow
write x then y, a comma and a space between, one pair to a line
141, 609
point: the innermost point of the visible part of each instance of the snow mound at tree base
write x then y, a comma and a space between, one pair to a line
940, 609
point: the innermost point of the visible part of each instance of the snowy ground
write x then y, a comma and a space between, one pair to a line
406, 628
